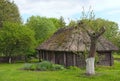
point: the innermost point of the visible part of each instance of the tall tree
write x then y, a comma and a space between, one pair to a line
9, 12
56, 22
15, 39
93, 38
88, 24
42, 26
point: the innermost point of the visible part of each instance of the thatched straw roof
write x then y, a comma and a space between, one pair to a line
74, 39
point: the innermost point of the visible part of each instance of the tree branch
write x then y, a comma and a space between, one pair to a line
101, 31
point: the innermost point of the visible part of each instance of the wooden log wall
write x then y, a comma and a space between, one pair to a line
105, 58
63, 58
69, 59
59, 58
80, 60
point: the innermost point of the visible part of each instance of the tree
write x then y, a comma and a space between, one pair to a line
59, 23
62, 22
93, 38
55, 22
112, 33
112, 30
72, 23
94, 31
9, 12
42, 27
15, 39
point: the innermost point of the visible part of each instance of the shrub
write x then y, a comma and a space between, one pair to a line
43, 66
27, 66
57, 67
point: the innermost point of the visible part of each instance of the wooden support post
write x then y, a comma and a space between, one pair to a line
43, 58
111, 59
39, 55
47, 56
74, 60
65, 59
53, 58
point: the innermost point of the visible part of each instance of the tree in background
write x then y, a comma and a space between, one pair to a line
56, 22
9, 12
112, 29
72, 23
42, 26
59, 23
62, 22
15, 39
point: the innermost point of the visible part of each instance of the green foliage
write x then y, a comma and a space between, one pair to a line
116, 55
43, 66
56, 22
9, 12
42, 27
111, 33
72, 23
15, 39
73, 68
57, 67
62, 22
28, 66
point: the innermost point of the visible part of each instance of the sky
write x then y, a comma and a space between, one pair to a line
69, 9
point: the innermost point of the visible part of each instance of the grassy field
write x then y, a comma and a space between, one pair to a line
12, 72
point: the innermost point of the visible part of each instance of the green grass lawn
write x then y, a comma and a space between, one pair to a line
12, 72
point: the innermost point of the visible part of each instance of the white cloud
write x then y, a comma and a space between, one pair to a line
66, 8
51, 8
63, 7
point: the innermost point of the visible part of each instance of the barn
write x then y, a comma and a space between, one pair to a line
69, 47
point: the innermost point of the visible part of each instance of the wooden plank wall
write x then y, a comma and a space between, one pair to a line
105, 58
63, 58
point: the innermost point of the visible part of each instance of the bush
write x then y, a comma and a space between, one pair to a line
29, 66
57, 67
43, 66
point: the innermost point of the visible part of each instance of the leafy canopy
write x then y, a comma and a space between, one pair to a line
16, 39
42, 27
9, 12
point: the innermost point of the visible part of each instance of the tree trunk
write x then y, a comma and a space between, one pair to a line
10, 60
91, 58
25, 59
90, 66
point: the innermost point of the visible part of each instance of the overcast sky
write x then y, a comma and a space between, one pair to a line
69, 9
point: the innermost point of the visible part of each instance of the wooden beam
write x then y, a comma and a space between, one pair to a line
65, 59
47, 56
39, 55
74, 60
53, 58
110, 59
